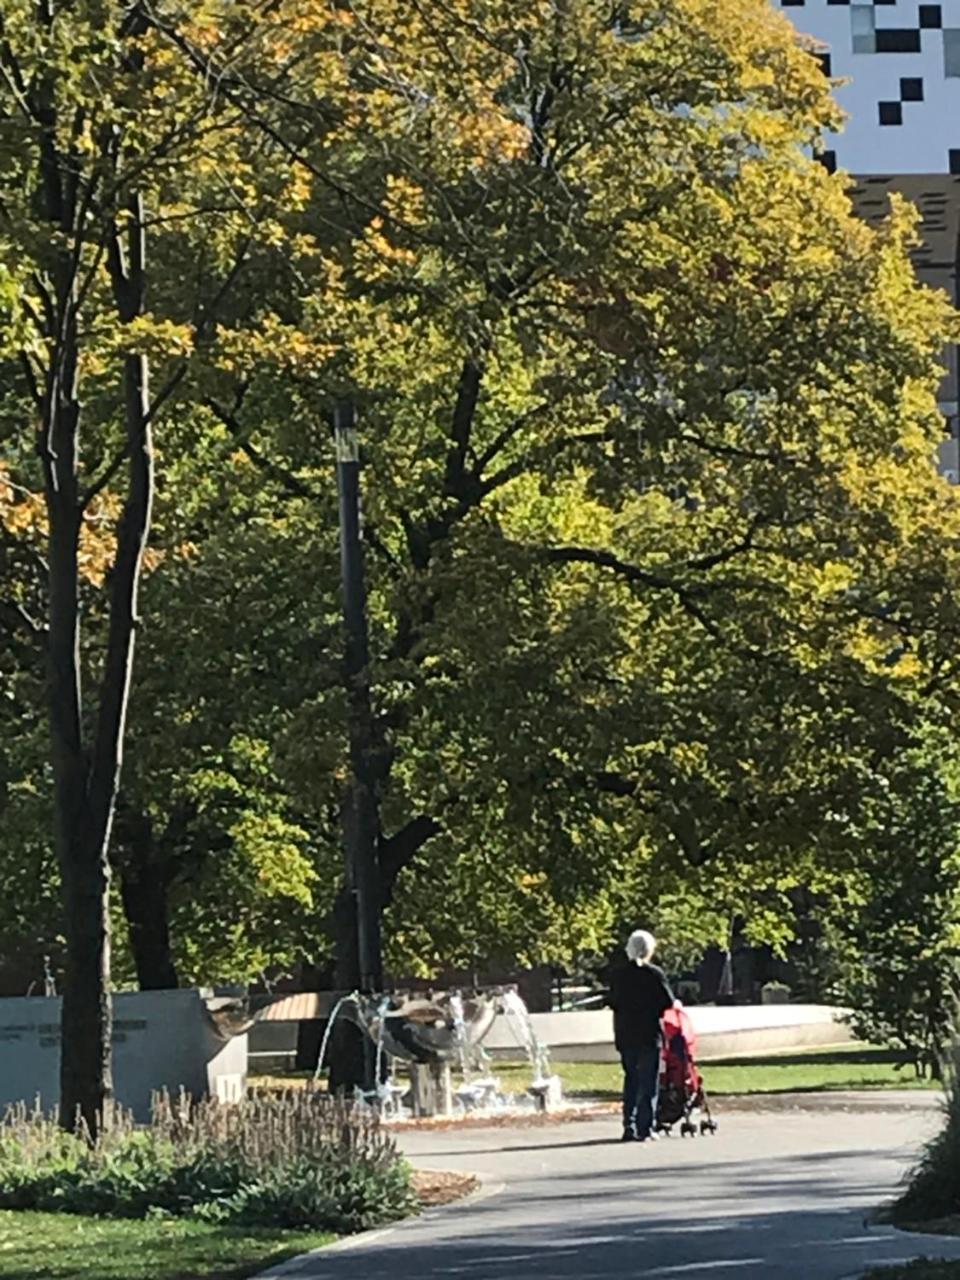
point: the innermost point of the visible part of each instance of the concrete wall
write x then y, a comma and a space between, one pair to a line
161, 1040
722, 1032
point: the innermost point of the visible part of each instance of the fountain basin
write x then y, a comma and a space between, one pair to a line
446, 1027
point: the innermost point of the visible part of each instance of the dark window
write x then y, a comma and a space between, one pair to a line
829, 161
838, 1
792, 4
930, 16
954, 162
891, 113
826, 65
884, 1
898, 40
911, 89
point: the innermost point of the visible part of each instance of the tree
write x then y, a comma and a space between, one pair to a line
659, 564
625, 450
629, 463
108, 144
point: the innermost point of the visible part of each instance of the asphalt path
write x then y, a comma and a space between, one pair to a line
771, 1196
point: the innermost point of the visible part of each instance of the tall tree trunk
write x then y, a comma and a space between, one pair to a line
143, 890
80, 842
87, 774
357, 913
79, 835
348, 1052
85, 1081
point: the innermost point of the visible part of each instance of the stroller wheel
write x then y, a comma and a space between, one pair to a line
708, 1126
688, 1129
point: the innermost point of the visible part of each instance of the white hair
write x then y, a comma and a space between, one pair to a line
640, 946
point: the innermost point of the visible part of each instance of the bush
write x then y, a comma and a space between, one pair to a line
774, 993
896, 923
933, 1186
298, 1160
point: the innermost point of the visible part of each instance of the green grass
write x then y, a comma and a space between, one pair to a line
57, 1246
813, 1070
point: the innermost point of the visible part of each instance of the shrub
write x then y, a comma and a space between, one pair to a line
774, 993
932, 1188
297, 1160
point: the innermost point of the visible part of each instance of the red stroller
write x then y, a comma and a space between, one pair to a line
682, 1098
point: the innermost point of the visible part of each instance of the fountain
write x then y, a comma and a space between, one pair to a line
545, 1088
434, 1032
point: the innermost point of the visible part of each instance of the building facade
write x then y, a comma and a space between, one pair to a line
898, 67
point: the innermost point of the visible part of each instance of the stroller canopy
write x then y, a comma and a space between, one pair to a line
676, 1021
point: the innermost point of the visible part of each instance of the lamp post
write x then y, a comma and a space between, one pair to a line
361, 821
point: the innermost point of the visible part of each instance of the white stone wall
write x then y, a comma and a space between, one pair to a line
161, 1040
722, 1031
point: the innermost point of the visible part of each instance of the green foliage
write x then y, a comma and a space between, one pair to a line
896, 924
932, 1187
296, 1161
659, 566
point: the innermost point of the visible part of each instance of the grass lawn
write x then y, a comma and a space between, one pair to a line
812, 1070
58, 1246
856, 1067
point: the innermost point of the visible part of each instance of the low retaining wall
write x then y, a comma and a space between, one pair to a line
161, 1040
722, 1032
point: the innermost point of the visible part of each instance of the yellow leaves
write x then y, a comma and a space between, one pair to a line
299, 188
833, 578
376, 254
22, 513
882, 651
273, 343
98, 544
689, 758
489, 136
404, 201
274, 852
157, 337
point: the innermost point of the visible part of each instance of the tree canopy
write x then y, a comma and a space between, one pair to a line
660, 568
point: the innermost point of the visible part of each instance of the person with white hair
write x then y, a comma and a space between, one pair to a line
639, 995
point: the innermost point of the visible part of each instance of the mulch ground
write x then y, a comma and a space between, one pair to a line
746, 1102
434, 1187
507, 1119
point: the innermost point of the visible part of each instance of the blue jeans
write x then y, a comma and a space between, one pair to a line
641, 1078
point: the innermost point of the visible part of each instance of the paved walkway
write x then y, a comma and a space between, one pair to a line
771, 1197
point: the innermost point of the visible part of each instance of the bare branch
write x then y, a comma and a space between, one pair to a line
16, 613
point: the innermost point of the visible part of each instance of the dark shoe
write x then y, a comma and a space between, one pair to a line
629, 1136
648, 1137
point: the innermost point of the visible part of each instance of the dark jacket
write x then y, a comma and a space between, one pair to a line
639, 995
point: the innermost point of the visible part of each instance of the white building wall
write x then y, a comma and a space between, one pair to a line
896, 71
902, 61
